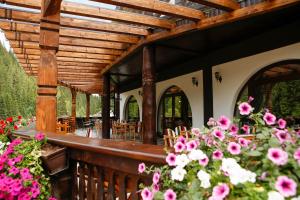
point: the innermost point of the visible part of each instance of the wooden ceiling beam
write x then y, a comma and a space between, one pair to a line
157, 6
70, 57
227, 5
30, 37
100, 13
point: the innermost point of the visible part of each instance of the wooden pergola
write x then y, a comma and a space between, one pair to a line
75, 45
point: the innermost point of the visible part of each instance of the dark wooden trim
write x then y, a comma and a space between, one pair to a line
208, 110
106, 107
149, 95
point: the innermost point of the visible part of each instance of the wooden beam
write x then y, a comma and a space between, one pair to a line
50, 7
84, 24
227, 5
157, 6
101, 13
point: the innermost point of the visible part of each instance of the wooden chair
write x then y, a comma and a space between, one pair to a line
98, 126
179, 129
132, 130
61, 128
170, 138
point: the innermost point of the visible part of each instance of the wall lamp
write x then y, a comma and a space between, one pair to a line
218, 76
195, 81
140, 93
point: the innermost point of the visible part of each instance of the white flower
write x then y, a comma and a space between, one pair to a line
236, 173
296, 198
196, 154
273, 195
204, 178
181, 160
178, 173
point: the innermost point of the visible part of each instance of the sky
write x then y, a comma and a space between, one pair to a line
5, 42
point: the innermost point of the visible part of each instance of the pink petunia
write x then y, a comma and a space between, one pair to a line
269, 118
191, 145
146, 194
171, 159
244, 142
155, 188
156, 177
233, 130
283, 136
141, 168
170, 195
245, 108
217, 155
250, 99
281, 123
277, 156
179, 147
220, 191
224, 122
39, 136
219, 134
196, 132
181, 139
286, 186
246, 128
297, 155
234, 148
204, 161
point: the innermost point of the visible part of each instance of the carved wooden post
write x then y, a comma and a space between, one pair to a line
88, 104
117, 103
73, 115
106, 107
47, 71
149, 96
207, 94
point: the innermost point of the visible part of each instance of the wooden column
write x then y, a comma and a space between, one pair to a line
88, 107
47, 70
149, 96
106, 107
207, 94
73, 114
117, 102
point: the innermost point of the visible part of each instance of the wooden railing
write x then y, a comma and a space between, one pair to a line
101, 169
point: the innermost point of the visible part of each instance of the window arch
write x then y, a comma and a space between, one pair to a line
132, 112
174, 110
276, 87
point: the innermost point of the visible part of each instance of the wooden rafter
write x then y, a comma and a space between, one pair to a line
227, 5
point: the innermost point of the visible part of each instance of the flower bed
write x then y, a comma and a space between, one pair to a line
22, 176
225, 162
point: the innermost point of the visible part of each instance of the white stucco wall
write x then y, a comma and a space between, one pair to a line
234, 75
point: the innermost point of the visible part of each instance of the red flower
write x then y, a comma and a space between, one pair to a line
19, 117
1, 131
1, 122
15, 127
9, 119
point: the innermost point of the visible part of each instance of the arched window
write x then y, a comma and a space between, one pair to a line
174, 110
132, 112
277, 88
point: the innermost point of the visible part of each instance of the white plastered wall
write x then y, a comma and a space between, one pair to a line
234, 75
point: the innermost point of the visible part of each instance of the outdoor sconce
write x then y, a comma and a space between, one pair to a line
140, 93
218, 76
195, 81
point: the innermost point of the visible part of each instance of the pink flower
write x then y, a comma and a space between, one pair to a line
220, 191
39, 136
156, 177
211, 122
217, 155
141, 168
219, 134
297, 155
191, 145
171, 158
277, 156
196, 131
250, 99
244, 142
14, 171
286, 186
170, 195
224, 122
283, 136
35, 192
233, 130
234, 148
281, 123
25, 174
204, 161
147, 194
155, 188
52, 198
179, 147
181, 139
245, 108
246, 128
269, 118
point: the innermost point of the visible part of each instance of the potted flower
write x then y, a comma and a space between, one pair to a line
218, 163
